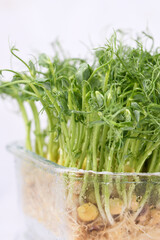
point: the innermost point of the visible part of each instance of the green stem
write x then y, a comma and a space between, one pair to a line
143, 201
77, 136
19, 58
38, 134
72, 127
145, 155
108, 164
94, 146
73, 131
121, 187
27, 125
63, 126
124, 194
84, 148
96, 183
106, 79
94, 72
85, 181
51, 123
151, 169
106, 199
80, 136
103, 142
153, 160
14, 83
98, 197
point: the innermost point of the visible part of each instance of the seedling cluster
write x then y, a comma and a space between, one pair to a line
103, 116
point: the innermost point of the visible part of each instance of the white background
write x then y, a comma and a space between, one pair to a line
32, 25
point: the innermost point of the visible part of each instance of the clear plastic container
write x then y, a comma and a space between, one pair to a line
61, 203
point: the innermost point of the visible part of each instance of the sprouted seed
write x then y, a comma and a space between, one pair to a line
87, 212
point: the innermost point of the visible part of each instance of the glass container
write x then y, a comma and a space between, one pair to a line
59, 203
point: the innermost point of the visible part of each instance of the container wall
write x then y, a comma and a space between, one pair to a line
61, 205
42, 197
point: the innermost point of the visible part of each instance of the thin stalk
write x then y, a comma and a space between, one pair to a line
50, 147
145, 196
63, 125
106, 79
72, 127
80, 137
122, 187
153, 160
132, 187
145, 155
106, 199
73, 131
108, 164
103, 142
27, 125
14, 83
38, 134
135, 150
94, 146
102, 66
85, 181
143, 201
77, 136
61, 159
98, 197
96, 183
51, 123
125, 151
84, 148
12, 51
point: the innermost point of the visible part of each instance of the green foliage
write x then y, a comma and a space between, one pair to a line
107, 112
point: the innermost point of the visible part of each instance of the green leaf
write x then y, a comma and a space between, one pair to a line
32, 68
135, 105
137, 115
45, 82
99, 98
83, 72
44, 60
127, 115
62, 83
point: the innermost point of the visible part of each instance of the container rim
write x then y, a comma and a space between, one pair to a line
17, 148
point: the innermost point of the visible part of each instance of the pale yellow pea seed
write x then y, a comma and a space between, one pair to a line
87, 212
116, 206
